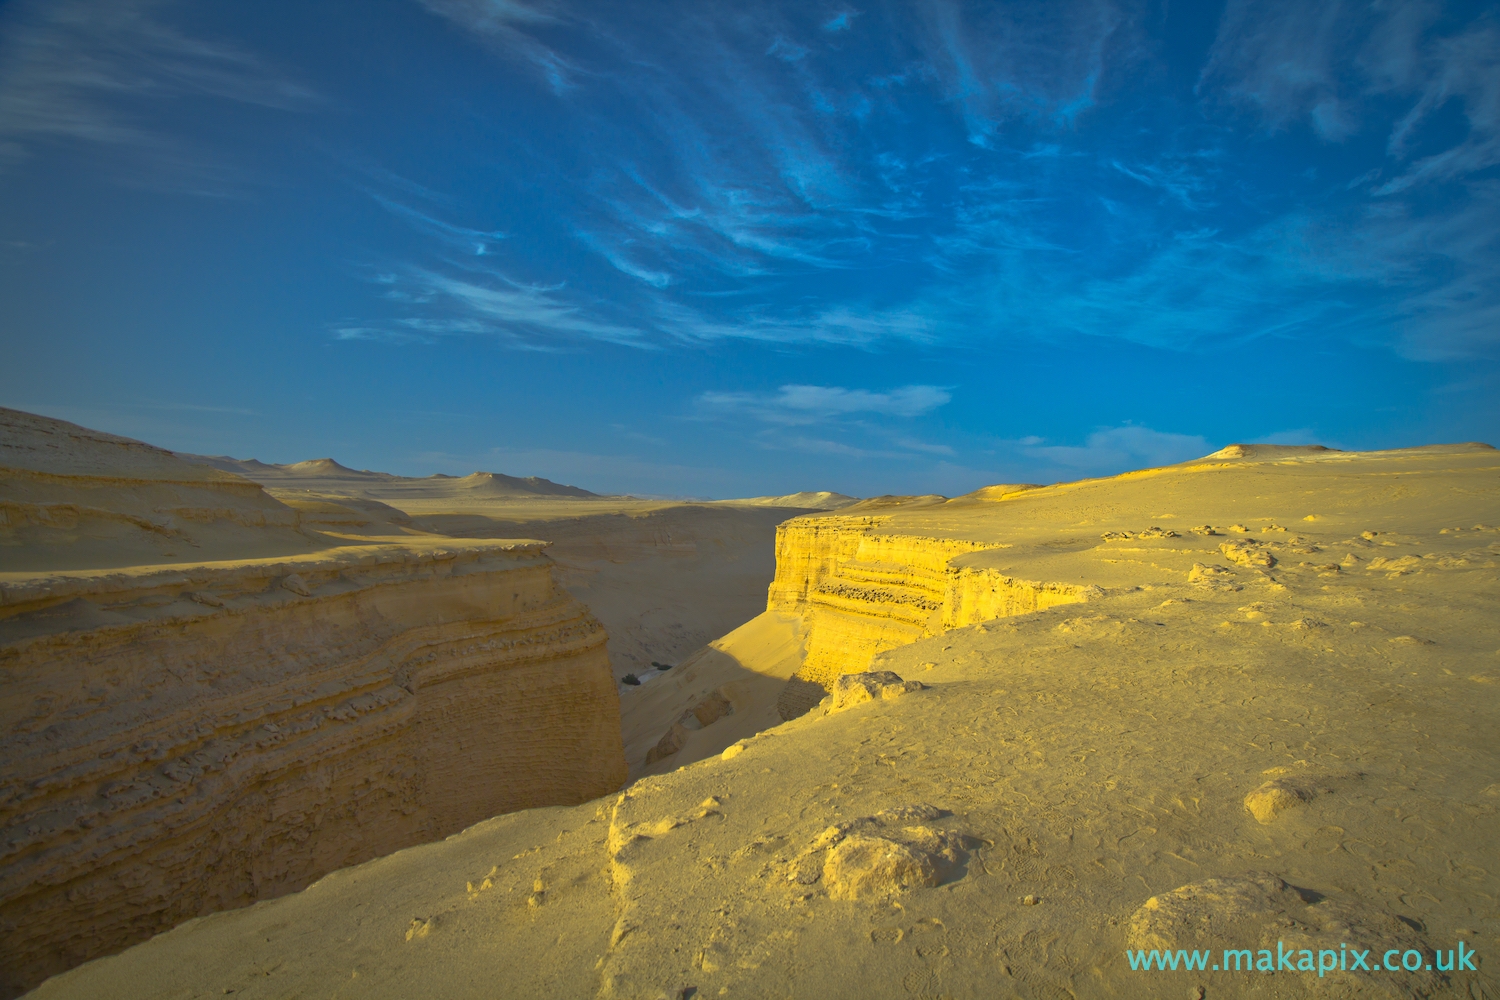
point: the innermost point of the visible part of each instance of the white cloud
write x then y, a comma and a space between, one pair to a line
503, 24
72, 69
1117, 449
808, 404
1333, 64
527, 316
853, 326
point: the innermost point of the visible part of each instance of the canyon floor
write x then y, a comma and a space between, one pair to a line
1248, 702
665, 577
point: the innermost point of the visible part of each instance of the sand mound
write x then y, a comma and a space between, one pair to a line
495, 484
999, 491
76, 499
821, 500
35, 444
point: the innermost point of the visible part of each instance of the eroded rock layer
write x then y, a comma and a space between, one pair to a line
862, 590
186, 737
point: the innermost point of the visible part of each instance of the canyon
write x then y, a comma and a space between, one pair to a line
215, 693
982, 746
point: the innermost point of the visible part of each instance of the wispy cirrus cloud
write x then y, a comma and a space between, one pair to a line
852, 424
809, 404
475, 241
1030, 61
430, 305
755, 178
1332, 64
80, 71
506, 25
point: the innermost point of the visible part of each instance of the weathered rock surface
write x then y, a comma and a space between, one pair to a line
861, 590
190, 736
871, 685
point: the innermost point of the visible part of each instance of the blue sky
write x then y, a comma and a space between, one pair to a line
720, 249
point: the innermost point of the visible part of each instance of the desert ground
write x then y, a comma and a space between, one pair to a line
974, 747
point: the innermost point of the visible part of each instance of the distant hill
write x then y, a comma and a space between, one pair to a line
327, 475
821, 500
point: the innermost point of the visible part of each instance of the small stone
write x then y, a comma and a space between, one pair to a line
1196, 993
296, 585
732, 751
855, 689
866, 867
1275, 797
1029, 900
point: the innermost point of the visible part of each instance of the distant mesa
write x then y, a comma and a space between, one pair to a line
1269, 450
326, 473
1272, 452
328, 468
40, 445
496, 484
895, 500
820, 500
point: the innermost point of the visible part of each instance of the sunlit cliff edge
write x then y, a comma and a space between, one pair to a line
1242, 701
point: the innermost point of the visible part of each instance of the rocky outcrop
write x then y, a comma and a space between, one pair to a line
862, 590
186, 737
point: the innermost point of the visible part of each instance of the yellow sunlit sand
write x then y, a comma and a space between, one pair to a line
1246, 699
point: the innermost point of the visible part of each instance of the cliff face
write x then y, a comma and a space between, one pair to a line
181, 738
862, 590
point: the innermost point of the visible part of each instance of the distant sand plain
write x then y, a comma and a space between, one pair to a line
1251, 701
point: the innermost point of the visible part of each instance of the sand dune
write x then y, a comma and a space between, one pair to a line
822, 500
1263, 709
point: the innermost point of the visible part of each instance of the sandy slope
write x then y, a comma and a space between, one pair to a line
1072, 782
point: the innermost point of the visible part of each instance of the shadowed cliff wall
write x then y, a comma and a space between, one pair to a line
207, 757
206, 700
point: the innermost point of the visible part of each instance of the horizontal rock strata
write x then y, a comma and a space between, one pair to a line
211, 756
185, 737
862, 591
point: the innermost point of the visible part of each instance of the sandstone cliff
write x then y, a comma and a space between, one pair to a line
861, 589
206, 701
